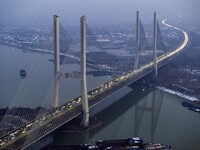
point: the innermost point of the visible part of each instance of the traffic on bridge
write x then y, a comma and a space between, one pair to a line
43, 125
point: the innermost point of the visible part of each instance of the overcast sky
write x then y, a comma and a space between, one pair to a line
97, 11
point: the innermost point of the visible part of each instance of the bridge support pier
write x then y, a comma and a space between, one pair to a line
155, 45
56, 59
85, 120
137, 41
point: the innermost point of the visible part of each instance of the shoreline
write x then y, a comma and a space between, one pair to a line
50, 52
177, 93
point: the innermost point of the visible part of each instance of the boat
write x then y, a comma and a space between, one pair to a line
191, 105
22, 72
133, 143
156, 146
194, 109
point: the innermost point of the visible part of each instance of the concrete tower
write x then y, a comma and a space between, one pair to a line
137, 41
56, 59
85, 120
155, 45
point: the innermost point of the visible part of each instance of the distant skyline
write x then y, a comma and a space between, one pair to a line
97, 11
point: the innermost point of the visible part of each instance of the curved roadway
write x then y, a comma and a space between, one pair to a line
17, 139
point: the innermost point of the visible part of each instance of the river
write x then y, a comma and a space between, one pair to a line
151, 114
36, 89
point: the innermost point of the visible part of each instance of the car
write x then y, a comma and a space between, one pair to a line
78, 100
2, 143
73, 101
29, 125
57, 111
69, 105
24, 131
12, 138
63, 107
43, 118
15, 132
111, 82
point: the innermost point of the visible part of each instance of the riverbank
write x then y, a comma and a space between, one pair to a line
181, 76
177, 93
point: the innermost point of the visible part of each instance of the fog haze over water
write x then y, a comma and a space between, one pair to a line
97, 11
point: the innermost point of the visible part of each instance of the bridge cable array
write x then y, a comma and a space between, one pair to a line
66, 42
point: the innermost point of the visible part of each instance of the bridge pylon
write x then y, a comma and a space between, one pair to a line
85, 120
56, 59
58, 74
137, 41
155, 29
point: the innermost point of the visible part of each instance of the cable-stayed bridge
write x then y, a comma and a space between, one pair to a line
33, 130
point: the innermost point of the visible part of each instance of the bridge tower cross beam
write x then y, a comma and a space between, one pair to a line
155, 30
56, 59
137, 41
85, 120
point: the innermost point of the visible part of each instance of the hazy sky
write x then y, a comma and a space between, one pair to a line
97, 11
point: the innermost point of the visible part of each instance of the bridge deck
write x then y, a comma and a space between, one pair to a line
49, 122
38, 128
